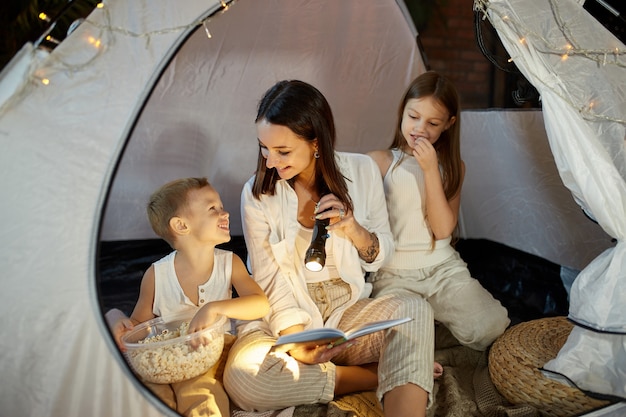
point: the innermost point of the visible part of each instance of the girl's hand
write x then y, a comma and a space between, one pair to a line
426, 156
319, 354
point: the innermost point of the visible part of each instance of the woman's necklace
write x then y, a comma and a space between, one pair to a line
309, 195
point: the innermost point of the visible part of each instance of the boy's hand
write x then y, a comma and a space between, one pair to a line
203, 318
119, 325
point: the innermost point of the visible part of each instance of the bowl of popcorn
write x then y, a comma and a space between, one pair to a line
161, 351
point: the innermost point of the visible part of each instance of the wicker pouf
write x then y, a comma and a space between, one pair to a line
514, 362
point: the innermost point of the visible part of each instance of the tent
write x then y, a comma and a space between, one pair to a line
149, 90
577, 66
65, 118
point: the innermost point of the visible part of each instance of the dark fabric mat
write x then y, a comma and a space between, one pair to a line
528, 286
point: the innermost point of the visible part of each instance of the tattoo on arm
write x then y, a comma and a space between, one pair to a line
370, 253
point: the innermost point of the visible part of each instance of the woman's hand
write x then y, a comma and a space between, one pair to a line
318, 354
366, 243
330, 207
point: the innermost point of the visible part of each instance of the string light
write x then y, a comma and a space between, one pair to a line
565, 54
56, 63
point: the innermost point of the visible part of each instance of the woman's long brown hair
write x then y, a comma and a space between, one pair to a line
304, 110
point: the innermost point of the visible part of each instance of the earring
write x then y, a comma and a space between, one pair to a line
316, 155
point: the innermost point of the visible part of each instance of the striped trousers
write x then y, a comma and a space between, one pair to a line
259, 380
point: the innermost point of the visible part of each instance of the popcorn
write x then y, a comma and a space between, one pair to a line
166, 363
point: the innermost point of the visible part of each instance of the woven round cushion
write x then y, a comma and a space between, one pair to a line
514, 362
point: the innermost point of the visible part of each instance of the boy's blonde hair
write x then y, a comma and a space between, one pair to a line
169, 201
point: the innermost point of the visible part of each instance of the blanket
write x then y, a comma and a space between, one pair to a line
464, 390
528, 286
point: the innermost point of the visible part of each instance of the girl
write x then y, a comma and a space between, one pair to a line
422, 174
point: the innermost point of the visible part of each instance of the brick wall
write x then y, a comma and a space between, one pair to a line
450, 46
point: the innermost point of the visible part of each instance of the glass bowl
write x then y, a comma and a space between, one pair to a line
162, 352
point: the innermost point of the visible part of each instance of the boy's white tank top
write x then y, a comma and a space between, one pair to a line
169, 297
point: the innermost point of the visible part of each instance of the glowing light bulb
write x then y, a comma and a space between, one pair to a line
94, 41
53, 40
45, 81
44, 16
206, 30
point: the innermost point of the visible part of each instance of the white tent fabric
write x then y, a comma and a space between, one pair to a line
64, 121
578, 67
200, 117
512, 192
516, 198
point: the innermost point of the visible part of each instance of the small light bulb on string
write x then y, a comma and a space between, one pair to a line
94, 41
45, 81
568, 50
44, 17
206, 29
100, 5
53, 40
543, 45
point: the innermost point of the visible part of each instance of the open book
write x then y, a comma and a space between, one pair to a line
333, 337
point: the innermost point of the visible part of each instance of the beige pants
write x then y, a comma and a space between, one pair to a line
201, 396
458, 301
259, 380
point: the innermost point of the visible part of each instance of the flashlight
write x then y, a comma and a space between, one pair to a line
315, 257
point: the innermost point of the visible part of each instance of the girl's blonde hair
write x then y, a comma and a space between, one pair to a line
169, 201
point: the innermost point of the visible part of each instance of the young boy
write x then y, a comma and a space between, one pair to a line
188, 214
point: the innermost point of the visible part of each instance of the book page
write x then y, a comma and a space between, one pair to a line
334, 337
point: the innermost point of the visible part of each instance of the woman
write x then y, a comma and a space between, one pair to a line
300, 177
